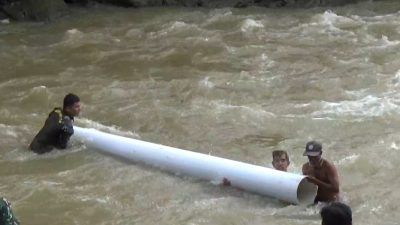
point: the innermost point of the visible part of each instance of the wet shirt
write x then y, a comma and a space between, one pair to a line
53, 134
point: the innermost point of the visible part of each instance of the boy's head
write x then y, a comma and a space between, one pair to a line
280, 160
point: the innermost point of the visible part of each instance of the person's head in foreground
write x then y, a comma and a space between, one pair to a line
336, 213
280, 160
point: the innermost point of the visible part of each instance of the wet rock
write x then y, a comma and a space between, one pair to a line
45, 10
147, 3
123, 3
14, 10
152, 3
220, 3
185, 3
308, 3
36, 10
227, 3
77, 2
3, 16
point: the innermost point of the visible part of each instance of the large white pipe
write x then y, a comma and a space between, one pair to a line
289, 187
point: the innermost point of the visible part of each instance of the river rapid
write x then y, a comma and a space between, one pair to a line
233, 83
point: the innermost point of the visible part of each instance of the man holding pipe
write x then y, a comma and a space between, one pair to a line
58, 127
321, 173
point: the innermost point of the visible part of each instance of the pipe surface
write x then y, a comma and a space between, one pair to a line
289, 187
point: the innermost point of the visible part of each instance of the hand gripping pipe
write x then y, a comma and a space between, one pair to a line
289, 187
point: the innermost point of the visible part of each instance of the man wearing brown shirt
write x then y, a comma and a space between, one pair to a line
321, 173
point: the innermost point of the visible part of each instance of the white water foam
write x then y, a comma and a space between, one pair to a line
347, 160
330, 18
249, 25
5, 21
368, 106
110, 129
206, 83
223, 107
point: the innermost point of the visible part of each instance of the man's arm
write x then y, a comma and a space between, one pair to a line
67, 131
304, 169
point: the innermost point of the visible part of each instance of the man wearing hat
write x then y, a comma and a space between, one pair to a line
321, 173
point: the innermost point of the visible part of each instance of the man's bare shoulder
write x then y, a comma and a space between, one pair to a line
305, 168
329, 166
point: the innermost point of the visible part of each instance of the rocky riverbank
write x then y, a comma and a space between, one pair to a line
47, 10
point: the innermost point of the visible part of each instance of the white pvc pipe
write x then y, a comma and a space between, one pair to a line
289, 187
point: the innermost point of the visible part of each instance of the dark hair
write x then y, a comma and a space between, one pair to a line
70, 99
278, 153
336, 213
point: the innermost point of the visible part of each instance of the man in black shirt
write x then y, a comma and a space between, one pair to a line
58, 128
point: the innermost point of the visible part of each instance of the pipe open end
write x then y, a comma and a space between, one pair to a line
306, 192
